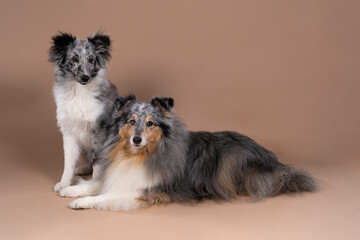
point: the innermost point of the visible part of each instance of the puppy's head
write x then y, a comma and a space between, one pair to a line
145, 123
80, 60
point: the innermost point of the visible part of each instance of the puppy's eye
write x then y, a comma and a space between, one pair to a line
149, 123
75, 59
132, 122
91, 60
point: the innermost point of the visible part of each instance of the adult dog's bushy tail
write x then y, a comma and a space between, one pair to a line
260, 183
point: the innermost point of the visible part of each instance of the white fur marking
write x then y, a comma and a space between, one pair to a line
84, 188
120, 189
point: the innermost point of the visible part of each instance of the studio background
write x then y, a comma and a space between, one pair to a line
285, 73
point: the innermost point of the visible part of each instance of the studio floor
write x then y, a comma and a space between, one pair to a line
31, 210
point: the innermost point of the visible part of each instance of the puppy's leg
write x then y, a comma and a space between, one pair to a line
86, 170
71, 156
108, 202
84, 188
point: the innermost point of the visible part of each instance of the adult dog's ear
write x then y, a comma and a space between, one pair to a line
122, 102
102, 45
59, 47
165, 104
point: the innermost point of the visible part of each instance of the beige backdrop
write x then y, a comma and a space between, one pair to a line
286, 73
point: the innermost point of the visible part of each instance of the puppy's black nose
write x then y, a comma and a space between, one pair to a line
137, 140
85, 78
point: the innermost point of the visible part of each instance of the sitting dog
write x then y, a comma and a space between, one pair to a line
83, 96
152, 158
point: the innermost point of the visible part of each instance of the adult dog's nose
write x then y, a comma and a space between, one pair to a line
85, 78
137, 140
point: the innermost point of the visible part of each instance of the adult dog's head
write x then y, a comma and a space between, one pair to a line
143, 124
80, 60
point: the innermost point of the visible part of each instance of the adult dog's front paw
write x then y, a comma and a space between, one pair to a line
82, 203
60, 185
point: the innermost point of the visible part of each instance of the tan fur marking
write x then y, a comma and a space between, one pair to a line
135, 117
143, 202
153, 135
155, 198
148, 118
123, 145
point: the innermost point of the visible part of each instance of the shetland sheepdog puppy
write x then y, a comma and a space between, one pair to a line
150, 157
83, 95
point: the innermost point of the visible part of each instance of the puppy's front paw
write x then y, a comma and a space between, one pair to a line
69, 192
60, 185
82, 203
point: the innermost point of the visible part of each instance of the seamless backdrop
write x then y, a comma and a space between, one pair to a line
285, 73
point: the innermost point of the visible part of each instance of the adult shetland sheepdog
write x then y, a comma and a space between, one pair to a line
153, 158
83, 95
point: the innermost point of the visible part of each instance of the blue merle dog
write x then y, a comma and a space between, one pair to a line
83, 97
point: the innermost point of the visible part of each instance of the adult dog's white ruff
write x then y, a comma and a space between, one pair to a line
119, 191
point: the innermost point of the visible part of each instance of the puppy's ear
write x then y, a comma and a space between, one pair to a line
59, 47
102, 45
122, 102
165, 104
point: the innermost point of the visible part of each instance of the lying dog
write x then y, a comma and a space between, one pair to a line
82, 95
152, 158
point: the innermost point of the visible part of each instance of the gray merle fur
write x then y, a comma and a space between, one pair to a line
193, 166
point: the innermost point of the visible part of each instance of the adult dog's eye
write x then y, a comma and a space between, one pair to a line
149, 123
91, 60
132, 122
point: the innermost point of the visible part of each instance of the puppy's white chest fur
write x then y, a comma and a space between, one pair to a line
77, 108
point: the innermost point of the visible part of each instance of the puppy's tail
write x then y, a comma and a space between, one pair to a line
260, 183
